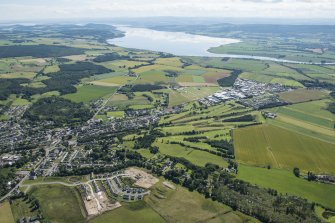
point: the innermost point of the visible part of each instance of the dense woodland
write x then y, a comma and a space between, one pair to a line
70, 75
39, 51
58, 110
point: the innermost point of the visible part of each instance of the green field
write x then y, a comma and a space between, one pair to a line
317, 192
6, 215
87, 93
114, 81
59, 204
311, 112
180, 205
308, 118
138, 212
121, 101
194, 156
269, 145
22, 208
302, 95
116, 114
324, 214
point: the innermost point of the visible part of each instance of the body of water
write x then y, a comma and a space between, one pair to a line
181, 44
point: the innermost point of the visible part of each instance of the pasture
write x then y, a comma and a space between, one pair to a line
114, 81
302, 95
138, 212
6, 215
181, 205
196, 157
59, 203
116, 114
87, 93
121, 101
22, 208
273, 178
264, 145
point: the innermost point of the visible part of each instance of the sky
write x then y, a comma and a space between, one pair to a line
29, 10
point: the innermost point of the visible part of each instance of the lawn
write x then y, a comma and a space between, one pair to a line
180, 205
138, 212
87, 93
6, 215
316, 192
59, 204
270, 145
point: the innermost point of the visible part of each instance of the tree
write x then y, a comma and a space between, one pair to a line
296, 171
154, 149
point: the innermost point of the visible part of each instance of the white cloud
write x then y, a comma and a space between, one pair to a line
38, 9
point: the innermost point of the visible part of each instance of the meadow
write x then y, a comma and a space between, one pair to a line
87, 93
59, 203
138, 212
181, 205
302, 95
323, 194
194, 156
266, 144
22, 208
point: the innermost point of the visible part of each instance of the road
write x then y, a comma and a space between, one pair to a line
19, 184
14, 189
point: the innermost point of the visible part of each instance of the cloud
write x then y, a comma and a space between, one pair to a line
43, 9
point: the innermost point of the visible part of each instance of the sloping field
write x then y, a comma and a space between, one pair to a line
196, 157
274, 178
114, 81
129, 213
59, 204
88, 93
269, 145
302, 95
182, 206
306, 117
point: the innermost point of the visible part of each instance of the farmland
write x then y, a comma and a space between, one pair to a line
302, 95
59, 199
6, 213
269, 145
86, 110
129, 213
180, 205
194, 156
88, 93
274, 178
309, 118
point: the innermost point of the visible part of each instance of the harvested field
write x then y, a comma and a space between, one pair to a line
6, 215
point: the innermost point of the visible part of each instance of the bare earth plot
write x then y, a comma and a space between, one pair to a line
269, 145
143, 179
